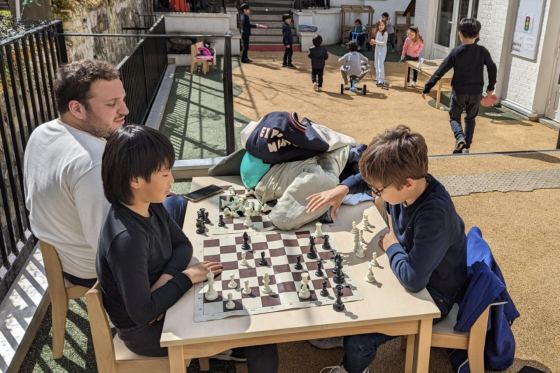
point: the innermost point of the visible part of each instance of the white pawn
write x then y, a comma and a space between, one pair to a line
230, 305
354, 229
374, 260
318, 230
362, 237
244, 261
356, 241
369, 277
247, 289
304, 292
360, 253
211, 294
257, 210
365, 221
266, 280
232, 284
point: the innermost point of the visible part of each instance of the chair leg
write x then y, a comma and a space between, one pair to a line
193, 67
409, 355
477, 339
205, 67
59, 311
204, 364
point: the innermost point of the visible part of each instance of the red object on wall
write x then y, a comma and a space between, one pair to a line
179, 5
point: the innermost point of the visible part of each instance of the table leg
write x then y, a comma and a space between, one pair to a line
177, 362
409, 355
424, 346
405, 73
438, 95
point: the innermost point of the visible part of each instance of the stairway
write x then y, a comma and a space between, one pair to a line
269, 13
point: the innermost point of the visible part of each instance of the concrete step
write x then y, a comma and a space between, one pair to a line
268, 31
275, 25
271, 47
256, 39
258, 18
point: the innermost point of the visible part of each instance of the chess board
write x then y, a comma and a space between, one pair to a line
281, 250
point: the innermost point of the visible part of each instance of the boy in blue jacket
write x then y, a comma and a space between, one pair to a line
427, 246
288, 41
318, 55
246, 27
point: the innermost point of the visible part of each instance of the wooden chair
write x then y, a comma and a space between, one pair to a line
60, 291
111, 354
195, 60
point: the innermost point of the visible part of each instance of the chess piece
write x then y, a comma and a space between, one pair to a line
231, 191
227, 212
356, 241
244, 261
257, 211
374, 262
232, 284
369, 277
266, 208
248, 222
339, 277
304, 292
266, 280
246, 245
221, 221
354, 229
360, 253
365, 221
319, 272
246, 290
298, 263
361, 235
230, 305
312, 254
325, 292
263, 261
311, 240
207, 218
211, 294
338, 306
326, 243
224, 203
236, 213
337, 263
318, 230
201, 228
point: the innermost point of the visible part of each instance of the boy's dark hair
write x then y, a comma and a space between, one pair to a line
469, 27
352, 46
317, 40
74, 80
243, 7
285, 17
358, 21
133, 151
385, 14
394, 156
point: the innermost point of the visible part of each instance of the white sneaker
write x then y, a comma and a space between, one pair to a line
315, 86
320, 89
413, 84
465, 150
338, 369
328, 343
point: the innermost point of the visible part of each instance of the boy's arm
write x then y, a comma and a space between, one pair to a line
326, 53
182, 248
356, 184
363, 58
492, 70
446, 65
343, 58
414, 269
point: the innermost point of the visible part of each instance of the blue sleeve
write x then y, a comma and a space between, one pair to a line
445, 66
356, 184
431, 241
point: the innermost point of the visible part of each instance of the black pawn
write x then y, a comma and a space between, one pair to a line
298, 263
339, 277
337, 263
325, 292
246, 245
201, 229
319, 269
221, 221
312, 254
263, 261
338, 306
311, 240
206, 218
326, 243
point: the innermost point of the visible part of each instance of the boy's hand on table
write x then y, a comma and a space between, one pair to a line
387, 240
333, 197
197, 273
162, 280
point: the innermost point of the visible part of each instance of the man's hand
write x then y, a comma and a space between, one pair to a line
162, 280
333, 197
197, 273
424, 95
387, 240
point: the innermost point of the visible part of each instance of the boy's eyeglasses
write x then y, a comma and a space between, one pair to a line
377, 192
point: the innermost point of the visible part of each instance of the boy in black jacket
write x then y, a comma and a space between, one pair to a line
468, 62
246, 27
318, 55
288, 40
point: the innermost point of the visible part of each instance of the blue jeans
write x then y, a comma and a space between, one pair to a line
360, 350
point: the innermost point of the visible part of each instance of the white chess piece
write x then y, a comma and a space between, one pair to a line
232, 284
211, 294
231, 191
361, 234
374, 260
360, 253
235, 214
318, 230
365, 221
266, 208
257, 210
244, 261
354, 229
266, 280
369, 277
224, 203
356, 241
247, 289
227, 213
248, 222
304, 292
249, 192
230, 305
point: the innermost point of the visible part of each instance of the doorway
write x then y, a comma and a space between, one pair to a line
449, 14
553, 106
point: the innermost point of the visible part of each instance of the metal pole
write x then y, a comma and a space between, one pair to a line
558, 141
61, 44
228, 96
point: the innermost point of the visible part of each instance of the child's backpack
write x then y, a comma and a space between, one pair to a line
179, 5
203, 51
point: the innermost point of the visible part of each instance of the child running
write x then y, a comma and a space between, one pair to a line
380, 43
318, 55
413, 45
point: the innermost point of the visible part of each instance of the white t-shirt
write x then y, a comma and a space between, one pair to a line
64, 193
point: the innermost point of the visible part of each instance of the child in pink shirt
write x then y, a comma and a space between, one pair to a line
411, 51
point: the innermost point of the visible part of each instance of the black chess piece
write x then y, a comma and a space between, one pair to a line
338, 306
325, 292
263, 261
221, 221
311, 240
201, 229
337, 263
206, 218
246, 245
312, 254
298, 263
326, 243
339, 277
319, 268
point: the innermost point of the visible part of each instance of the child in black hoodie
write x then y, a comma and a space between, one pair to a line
318, 55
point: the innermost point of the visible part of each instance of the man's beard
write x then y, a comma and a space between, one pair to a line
94, 125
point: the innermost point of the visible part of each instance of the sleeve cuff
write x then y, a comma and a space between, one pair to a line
171, 271
183, 282
394, 249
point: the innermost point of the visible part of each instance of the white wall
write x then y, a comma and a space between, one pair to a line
327, 22
425, 20
197, 23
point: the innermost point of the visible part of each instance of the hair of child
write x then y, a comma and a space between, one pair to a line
285, 17
244, 6
352, 46
469, 27
317, 40
382, 21
417, 36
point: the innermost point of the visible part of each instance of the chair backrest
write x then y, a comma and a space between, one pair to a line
53, 268
101, 331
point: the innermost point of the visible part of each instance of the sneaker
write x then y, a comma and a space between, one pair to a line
339, 369
465, 150
248, 60
379, 84
328, 343
284, 65
235, 354
291, 66
320, 89
413, 84
314, 86
459, 145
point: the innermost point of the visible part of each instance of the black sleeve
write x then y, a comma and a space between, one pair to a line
492, 70
182, 248
445, 66
326, 54
128, 257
